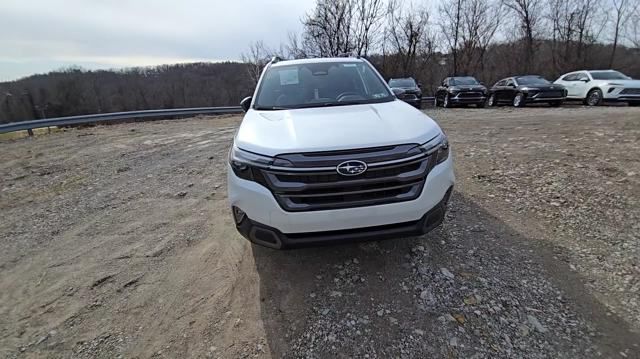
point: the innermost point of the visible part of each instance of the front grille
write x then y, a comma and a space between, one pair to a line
470, 94
632, 91
551, 94
409, 96
382, 183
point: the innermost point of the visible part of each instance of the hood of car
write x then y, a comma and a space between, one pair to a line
333, 128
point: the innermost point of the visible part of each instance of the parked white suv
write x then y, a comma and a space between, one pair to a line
326, 153
595, 86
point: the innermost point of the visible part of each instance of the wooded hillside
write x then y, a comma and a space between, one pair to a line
75, 92
488, 39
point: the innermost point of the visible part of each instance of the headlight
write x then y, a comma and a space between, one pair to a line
242, 162
443, 151
245, 164
438, 145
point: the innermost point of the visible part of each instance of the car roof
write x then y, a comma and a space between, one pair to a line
316, 60
401, 78
609, 70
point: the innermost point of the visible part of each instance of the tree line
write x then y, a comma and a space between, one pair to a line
75, 91
489, 39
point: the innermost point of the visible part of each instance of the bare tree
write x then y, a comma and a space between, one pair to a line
327, 30
368, 22
633, 31
528, 14
622, 10
256, 57
480, 22
450, 25
335, 27
586, 33
406, 26
572, 31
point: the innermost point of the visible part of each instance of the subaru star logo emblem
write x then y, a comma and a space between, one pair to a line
351, 168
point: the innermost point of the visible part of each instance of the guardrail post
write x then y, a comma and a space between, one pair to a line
30, 132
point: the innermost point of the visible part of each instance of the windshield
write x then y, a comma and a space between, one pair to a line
320, 84
608, 75
532, 80
464, 81
402, 83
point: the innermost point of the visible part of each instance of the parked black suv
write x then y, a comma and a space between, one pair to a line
460, 90
411, 91
521, 90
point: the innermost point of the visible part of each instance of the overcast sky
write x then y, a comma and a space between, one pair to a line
38, 36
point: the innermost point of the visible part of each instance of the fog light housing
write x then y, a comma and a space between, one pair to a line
238, 214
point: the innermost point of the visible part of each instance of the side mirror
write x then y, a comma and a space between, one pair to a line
398, 91
419, 85
246, 103
585, 80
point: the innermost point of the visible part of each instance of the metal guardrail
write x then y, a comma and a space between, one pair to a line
113, 116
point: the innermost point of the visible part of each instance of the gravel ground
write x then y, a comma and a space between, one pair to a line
115, 241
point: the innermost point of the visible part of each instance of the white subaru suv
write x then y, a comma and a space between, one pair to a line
595, 86
326, 153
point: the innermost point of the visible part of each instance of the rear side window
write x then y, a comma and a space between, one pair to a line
581, 76
608, 75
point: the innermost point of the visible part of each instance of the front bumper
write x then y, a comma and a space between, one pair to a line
271, 237
620, 93
414, 100
539, 98
460, 98
261, 209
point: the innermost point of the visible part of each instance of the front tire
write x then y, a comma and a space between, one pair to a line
518, 100
480, 105
491, 101
447, 102
634, 103
594, 98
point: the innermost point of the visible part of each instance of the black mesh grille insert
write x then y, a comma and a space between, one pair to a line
551, 94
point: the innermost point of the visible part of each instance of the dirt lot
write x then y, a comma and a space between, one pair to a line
115, 241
